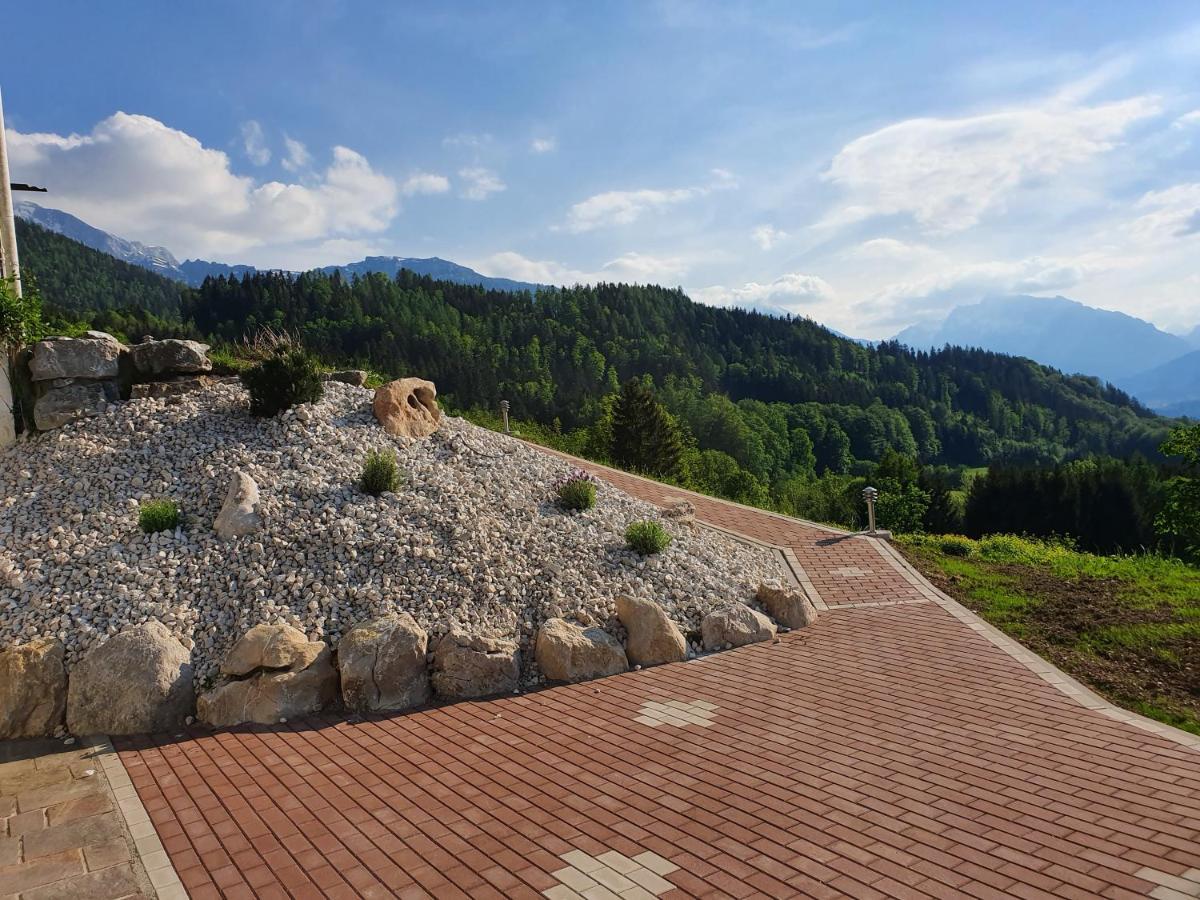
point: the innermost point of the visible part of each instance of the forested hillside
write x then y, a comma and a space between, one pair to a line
766, 410
74, 278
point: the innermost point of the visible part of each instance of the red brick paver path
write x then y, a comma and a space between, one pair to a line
887, 751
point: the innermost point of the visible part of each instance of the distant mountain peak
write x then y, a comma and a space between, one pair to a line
193, 271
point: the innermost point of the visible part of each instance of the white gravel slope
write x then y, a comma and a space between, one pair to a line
473, 536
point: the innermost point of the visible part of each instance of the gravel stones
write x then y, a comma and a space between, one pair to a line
471, 665
653, 638
239, 513
382, 665
408, 408
791, 608
567, 652
136, 682
472, 537
33, 689
735, 625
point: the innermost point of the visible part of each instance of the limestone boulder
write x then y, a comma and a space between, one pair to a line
240, 512
356, 377
381, 664
737, 625
653, 638
271, 695
408, 408
271, 647
169, 357
467, 665
33, 689
567, 652
135, 682
790, 607
62, 405
175, 386
94, 356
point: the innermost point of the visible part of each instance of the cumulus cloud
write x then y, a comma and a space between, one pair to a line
947, 174
767, 236
480, 183
139, 178
629, 267
425, 183
1187, 120
297, 157
792, 292
626, 207
255, 143
543, 145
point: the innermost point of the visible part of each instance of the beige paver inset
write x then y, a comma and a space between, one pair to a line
899, 748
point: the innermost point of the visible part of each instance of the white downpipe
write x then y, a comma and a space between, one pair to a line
10, 268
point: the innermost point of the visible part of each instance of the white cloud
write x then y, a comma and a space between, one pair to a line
298, 158
793, 292
480, 183
255, 143
141, 179
629, 267
955, 285
767, 236
1187, 120
892, 249
543, 145
1173, 213
626, 207
424, 183
949, 173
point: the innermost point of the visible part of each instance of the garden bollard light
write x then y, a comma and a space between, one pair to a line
504, 414
870, 494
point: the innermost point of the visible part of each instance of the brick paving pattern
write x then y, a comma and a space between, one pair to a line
61, 832
886, 751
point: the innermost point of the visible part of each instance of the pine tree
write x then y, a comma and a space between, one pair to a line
644, 436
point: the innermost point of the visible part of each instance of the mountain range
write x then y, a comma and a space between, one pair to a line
1159, 368
193, 271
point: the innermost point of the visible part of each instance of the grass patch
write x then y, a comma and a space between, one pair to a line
380, 473
1129, 626
646, 538
158, 515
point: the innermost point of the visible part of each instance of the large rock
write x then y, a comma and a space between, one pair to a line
408, 407
33, 689
382, 664
175, 386
653, 638
789, 607
271, 647
135, 682
356, 377
95, 356
737, 625
61, 405
240, 512
169, 357
566, 652
270, 696
466, 665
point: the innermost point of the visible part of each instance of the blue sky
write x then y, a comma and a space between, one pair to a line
869, 165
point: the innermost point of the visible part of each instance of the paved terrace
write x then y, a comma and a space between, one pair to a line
897, 748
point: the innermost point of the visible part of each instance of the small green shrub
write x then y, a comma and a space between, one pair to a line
379, 473
577, 495
955, 545
646, 537
283, 379
158, 515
